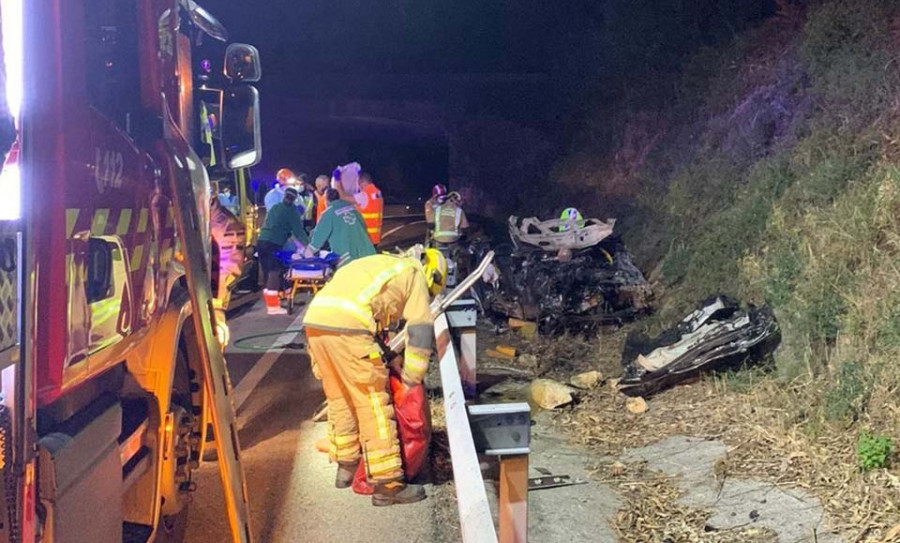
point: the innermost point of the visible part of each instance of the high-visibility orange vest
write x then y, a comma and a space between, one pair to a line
321, 203
373, 212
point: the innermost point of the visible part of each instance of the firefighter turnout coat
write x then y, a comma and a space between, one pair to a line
363, 298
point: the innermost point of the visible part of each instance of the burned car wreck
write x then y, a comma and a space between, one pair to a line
567, 277
718, 335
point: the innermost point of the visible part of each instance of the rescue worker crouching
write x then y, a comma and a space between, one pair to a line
362, 299
283, 221
341, 226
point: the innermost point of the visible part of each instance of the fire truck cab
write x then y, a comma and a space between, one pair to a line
104, 404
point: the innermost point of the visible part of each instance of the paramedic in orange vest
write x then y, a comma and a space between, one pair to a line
371, 205
368, 201
322, 186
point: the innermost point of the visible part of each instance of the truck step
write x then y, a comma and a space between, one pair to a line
135, 533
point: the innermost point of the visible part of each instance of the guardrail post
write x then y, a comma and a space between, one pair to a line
513, 499
504, 430
462, 316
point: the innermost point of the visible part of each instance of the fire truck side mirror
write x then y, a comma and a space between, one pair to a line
242, 63
241, 134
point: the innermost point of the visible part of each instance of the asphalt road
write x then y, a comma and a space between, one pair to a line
290, 484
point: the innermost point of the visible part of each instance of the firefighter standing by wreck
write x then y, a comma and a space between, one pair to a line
341, 226
445, 216
283, 222
362, 300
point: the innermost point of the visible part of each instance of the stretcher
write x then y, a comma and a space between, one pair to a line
306, 274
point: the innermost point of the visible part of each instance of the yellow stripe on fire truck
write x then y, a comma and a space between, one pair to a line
123, 226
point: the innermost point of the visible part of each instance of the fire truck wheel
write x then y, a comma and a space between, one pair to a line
172, 528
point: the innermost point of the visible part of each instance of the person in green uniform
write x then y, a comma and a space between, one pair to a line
283, 221
343, 228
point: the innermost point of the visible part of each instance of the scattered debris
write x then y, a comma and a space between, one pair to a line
717, 335
576, 279
509, 389
528, 360
496, 353
527, 329
636, 405
495, 369
321, 414
586, 380
553, 481
507, 350
549, 394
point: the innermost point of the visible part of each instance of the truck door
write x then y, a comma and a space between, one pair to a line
119, 235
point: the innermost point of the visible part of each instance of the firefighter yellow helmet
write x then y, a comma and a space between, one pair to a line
435, 270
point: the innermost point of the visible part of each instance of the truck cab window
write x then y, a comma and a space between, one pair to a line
112, 62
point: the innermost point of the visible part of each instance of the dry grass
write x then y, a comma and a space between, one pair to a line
771, 438
652, 514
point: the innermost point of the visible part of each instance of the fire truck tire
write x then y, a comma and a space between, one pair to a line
172, 528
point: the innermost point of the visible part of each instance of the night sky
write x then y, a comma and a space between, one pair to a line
572, 54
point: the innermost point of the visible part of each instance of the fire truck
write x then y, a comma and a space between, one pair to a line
111, 369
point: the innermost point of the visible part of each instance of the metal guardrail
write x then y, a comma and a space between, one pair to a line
476, 522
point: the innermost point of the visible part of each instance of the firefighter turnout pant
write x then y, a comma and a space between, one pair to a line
360, 415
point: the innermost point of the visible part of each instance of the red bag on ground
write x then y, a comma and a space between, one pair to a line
414, 428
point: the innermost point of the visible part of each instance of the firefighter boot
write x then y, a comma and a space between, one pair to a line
397, 493
345, 473
273, 303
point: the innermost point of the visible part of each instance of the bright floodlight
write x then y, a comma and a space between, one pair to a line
12, 47
10, 185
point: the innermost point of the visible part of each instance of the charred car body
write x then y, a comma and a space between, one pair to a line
718, 335
567, 277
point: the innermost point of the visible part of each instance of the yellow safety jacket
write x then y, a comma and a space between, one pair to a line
367, 295
449, 221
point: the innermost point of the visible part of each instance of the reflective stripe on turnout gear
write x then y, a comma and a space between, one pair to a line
380, 420
439, 230
363, 315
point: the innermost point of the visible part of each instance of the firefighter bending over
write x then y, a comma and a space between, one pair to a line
283, 221
342, 228
361, 300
